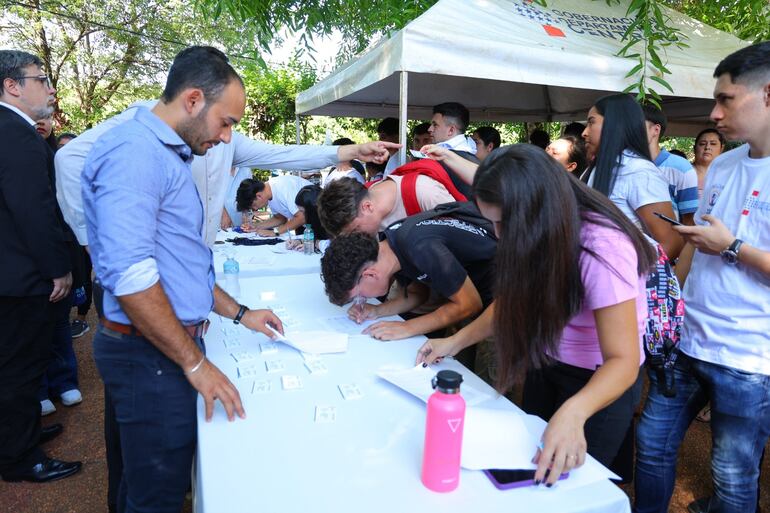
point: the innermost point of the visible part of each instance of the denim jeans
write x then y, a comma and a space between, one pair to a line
155, 410
740, 426
62, 372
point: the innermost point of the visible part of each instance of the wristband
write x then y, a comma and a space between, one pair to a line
241, 312
197, 366
276, 231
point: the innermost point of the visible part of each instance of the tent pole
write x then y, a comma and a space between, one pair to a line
296, 128
403, 102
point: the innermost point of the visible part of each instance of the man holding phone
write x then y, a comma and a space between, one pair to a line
725, 268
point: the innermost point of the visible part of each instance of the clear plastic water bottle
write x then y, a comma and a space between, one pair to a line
443, 433
232, 270
308, 240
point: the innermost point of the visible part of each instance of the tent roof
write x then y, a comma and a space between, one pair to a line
512, 60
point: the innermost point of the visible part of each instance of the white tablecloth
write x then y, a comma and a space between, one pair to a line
256, 261
280, 460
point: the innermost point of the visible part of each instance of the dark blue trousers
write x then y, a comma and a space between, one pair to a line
155, 412
62, 372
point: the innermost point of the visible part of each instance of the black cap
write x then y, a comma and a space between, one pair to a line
447, 381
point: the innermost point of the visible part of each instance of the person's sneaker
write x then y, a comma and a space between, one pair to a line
71, 397
46, 407
79, 328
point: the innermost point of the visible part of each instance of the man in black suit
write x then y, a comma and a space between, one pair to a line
35, 267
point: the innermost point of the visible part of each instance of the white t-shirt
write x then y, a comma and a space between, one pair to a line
285, 189
638, 183
336, 174
727, 312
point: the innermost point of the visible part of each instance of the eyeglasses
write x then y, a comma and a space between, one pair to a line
42, 78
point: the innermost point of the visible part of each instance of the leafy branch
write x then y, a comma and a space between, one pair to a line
654, 32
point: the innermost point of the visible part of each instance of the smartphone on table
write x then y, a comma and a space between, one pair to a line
668, 219
504, 479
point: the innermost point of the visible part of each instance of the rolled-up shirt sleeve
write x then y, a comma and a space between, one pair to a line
122, 192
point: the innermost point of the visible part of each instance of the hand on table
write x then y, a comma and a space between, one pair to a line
435, 349
247, 228
258, 320
61, 287
265, 233
209, 381
361, 312
388, 330
710, 239
563, 446
295, 244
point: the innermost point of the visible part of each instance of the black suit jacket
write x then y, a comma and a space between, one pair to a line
33, 249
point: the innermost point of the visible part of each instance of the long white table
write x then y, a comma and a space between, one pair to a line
280, 459
255, 261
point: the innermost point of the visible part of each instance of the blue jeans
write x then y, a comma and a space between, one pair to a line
740, 426
155, 411
62, 372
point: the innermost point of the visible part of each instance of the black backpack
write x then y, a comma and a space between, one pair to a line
465, 211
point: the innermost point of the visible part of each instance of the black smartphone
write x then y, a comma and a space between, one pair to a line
668, 219
506, 479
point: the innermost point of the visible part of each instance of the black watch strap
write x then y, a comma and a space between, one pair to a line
241, 311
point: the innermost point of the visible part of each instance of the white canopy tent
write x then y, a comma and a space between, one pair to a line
513, 60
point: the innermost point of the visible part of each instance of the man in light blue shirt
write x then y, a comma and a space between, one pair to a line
680, 175
144, 220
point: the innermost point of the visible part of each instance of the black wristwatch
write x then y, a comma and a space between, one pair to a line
730, 255
241, 311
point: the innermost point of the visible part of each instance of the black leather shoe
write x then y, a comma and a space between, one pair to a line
48, 433
47, 470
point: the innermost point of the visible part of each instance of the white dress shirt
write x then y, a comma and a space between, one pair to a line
210, 172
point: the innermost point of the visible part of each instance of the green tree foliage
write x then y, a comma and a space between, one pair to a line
270, 103
102, 55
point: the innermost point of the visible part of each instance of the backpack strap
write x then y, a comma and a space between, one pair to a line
430, 168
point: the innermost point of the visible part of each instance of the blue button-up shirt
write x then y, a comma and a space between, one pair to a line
144, 218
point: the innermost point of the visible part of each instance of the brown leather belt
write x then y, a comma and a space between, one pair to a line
195, 330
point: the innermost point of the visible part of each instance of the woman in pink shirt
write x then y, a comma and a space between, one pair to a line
570, 306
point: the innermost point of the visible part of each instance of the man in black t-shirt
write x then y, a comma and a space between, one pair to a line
453, 257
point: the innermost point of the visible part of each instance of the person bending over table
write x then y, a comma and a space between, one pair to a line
570, 307
144, 222
306, 201
345, 205
278, 194
452, 256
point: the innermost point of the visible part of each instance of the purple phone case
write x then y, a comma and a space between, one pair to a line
516, 484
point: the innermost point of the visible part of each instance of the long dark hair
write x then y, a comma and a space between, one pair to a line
307, 198
623, 129
539, 286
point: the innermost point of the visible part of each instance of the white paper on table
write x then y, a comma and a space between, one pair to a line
498, 439
417, 381
262, 259
344, 324
314, 342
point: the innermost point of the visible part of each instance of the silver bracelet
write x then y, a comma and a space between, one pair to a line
197, 366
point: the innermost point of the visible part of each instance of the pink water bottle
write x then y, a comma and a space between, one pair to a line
443, 433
